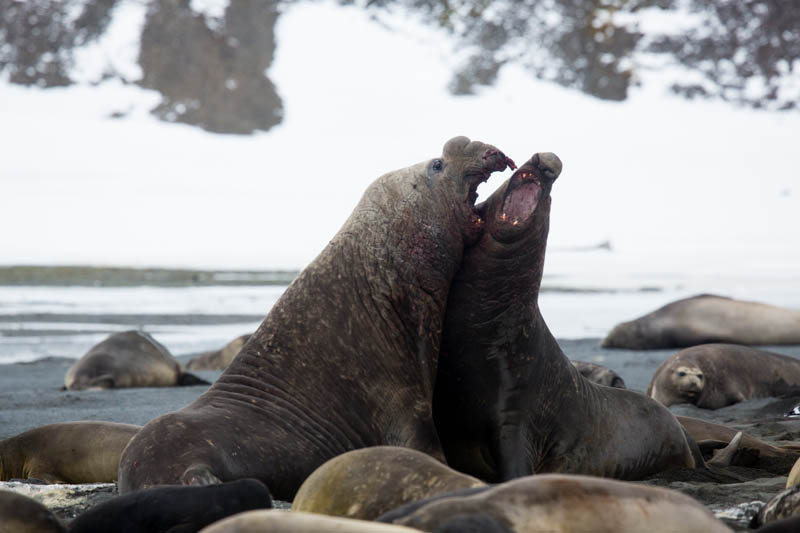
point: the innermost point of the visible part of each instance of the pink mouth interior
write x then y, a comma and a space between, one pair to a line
520, 203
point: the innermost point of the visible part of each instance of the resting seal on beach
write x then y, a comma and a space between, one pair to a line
66, 452
711, 376
602, 375
128, 359
556, 502
218, 359
368, 482
707, 318
508, 402
347, 356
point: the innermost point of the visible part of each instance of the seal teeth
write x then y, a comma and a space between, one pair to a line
503, 217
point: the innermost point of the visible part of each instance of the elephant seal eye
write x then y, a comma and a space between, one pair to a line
437, 164
681, 374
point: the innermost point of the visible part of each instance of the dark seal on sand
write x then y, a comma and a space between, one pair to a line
347, 356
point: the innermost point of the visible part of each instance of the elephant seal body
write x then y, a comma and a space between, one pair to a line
128, 359
508, 402
66, 452
21, 514
555, 502
299, 522
173, 508
218, 359
368, 482
705, 319
599, 374
711, 376
347, 356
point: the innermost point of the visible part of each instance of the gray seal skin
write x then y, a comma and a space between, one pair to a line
707, 318
21, 514
558, 502
128, 359
368, 482
599, 374
218, 359
347, 356
508, 402
711, 376
66, 452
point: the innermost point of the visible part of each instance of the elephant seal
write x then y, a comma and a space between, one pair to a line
558, 502
346, 358
218, 359
507, 401
299, 522
128, 359
66, 452
793, 478
173, 508
21, 514
704, 319
711, 376
368, 482
599, 374
783, 505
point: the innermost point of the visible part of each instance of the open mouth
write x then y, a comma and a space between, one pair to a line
521, 198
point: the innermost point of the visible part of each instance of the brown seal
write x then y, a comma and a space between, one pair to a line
128, 359
66, 452
711, 376
368, 482
557, 502
602, 375
21, 514
299, 522
347, 356
218, 359
508, 402
704, 319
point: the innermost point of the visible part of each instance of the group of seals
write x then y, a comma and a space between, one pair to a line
715, 375
66, 452
508, 402
347, 356
705, 319
128, 359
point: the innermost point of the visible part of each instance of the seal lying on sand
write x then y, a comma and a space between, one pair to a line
707, 318
368, 482
711, 376
599, 374
508, 402
21, 514
554, 502
173, 508
218, 359
347, 356
66, 452
128, 359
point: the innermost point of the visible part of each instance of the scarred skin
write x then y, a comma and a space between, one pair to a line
347, 356
508, 402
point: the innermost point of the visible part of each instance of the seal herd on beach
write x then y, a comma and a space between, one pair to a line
406, 380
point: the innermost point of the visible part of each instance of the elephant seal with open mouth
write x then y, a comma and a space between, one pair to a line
347, 356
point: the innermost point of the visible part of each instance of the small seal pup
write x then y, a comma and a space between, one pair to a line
21, 514
218, 359
66, 452
707, 318
711, 376
508, 402
173, 508
599, 374
558, 502
368, 482
128, 359
346, 358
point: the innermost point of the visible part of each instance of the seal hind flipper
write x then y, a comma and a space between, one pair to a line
725, 456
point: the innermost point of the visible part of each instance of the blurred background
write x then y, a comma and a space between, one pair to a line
185, 158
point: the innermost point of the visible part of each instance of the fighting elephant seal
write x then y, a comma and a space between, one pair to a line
21, 514
368, 482
602, 375
173, 508
704, 319
508, 402
556, 502
128, 359
218, 359
347, 356
66, 452
711, 376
